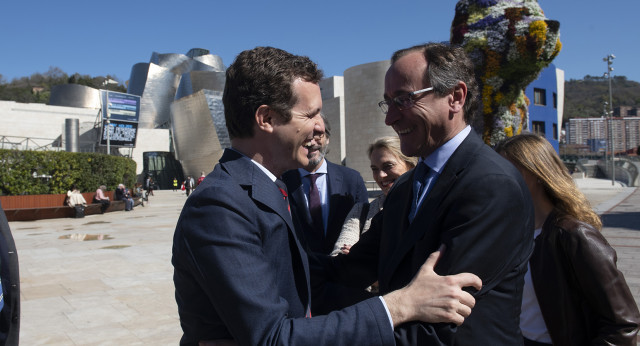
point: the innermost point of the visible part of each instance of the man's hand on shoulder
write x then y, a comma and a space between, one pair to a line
432, 298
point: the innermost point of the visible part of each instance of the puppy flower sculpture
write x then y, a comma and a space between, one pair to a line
510, 42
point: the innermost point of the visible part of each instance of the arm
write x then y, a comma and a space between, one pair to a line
350, 232
603, 286
432, 298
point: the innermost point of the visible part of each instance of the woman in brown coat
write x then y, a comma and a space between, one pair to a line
574, 294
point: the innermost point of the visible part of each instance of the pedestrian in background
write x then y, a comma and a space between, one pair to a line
102, 199
189, 185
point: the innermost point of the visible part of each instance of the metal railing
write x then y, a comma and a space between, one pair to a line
29, 143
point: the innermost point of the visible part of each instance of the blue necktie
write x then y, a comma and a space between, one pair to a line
421, 177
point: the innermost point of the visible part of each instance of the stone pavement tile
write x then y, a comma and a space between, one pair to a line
97, 316
84, 286
151, 305
43, 291
104, 334
58, 337
165, 328
27, 279
83, 274
87, 301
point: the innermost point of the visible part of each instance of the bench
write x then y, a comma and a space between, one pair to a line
38, 207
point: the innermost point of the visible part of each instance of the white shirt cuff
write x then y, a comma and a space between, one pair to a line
386, 309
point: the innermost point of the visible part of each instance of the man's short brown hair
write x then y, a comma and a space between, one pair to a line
263, 76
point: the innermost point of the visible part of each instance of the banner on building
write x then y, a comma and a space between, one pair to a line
122, 111
120, 106
123, 133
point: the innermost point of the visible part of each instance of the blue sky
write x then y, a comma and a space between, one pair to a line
109, 37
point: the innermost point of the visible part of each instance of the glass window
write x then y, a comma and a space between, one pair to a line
538, 127
539, 97
555, 131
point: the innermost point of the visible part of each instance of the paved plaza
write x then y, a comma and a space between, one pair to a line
107, 279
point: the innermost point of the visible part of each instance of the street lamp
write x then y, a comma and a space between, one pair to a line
607, 146
609, 60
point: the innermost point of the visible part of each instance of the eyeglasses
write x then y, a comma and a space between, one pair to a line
402, 102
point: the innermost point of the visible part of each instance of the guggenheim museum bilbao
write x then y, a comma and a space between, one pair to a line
181, 115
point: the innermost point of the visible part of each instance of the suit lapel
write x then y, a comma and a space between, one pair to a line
264, 191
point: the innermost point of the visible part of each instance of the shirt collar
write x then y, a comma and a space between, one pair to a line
262, 168
441, 155
322, 169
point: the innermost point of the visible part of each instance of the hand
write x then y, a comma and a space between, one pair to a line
345, 248
432, 298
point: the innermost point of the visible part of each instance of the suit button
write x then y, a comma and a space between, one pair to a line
14, 319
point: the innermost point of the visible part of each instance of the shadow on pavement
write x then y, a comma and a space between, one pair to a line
628, 220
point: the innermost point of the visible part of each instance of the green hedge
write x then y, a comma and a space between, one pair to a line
87, 170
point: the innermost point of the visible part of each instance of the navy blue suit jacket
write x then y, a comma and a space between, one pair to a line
480, 208
240, 272
10, 273
346, 187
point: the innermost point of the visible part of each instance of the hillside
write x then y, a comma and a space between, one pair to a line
585, 97
37, 87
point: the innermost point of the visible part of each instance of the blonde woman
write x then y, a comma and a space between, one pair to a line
574, 294
388, 163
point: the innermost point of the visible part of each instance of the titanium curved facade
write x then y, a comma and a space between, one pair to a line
194, 81
158, 85
168, 77
364, 122
75, 95
199, 131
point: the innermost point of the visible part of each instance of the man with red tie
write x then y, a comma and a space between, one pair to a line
240, 272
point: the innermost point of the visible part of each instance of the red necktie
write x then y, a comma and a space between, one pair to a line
315, 207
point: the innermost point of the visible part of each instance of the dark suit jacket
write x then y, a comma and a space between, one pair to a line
10, 314
240, 272
481, 210
346, 188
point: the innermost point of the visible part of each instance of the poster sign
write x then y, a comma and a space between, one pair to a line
121, 106
122, 111
123, 133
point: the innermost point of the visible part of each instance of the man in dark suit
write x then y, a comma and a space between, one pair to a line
240, 273
338, 188
10, 276
462, 194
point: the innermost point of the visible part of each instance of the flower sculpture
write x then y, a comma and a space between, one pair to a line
510, 42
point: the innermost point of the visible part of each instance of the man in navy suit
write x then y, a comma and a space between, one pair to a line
461, 194
338, 188
240, 273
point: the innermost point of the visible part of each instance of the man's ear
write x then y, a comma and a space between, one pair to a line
264, 118
459, 94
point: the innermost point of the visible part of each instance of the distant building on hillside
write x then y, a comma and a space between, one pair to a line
626, 132
626, 111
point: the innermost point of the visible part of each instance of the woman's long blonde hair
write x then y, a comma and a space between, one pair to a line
535, 154
392, 143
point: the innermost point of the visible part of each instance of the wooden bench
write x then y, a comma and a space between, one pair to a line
38, 207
